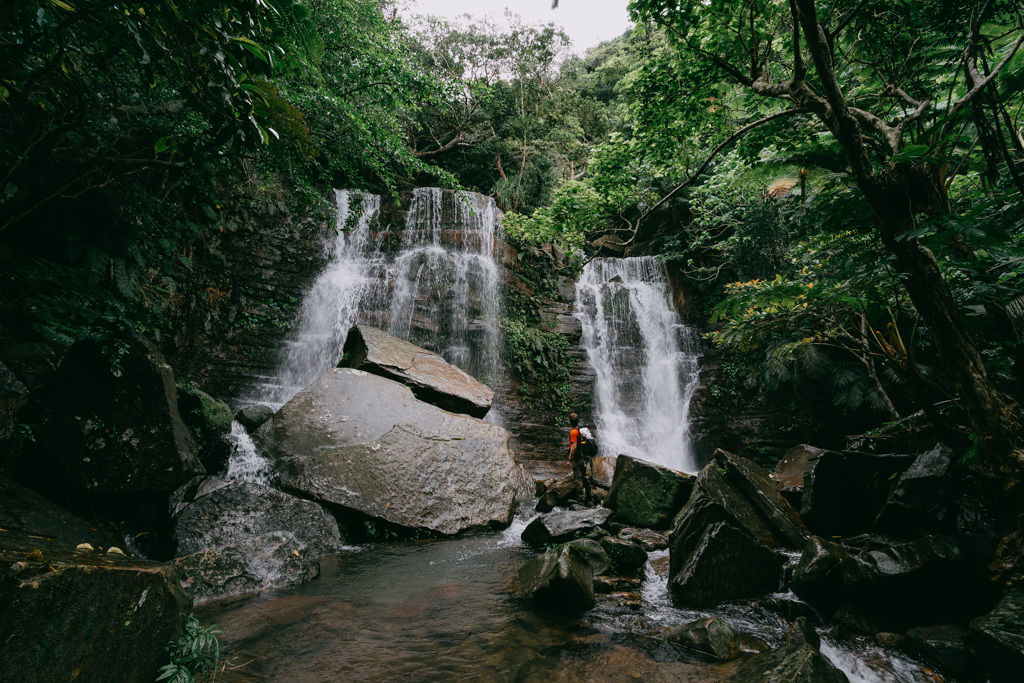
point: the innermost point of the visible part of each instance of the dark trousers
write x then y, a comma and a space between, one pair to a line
580, 479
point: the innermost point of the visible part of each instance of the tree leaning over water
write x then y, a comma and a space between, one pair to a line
881, 78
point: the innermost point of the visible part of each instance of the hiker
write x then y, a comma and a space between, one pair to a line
580, 479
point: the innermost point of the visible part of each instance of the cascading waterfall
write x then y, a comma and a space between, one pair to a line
644, 358
441, 289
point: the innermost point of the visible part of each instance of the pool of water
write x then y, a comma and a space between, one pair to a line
446, 610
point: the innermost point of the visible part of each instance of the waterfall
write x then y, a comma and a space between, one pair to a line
644, 358
330, 307
432, 280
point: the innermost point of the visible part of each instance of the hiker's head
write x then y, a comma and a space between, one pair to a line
574, 420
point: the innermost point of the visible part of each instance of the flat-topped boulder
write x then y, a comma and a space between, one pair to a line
365, 443
431, 378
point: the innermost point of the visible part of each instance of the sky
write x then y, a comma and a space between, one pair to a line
588, 22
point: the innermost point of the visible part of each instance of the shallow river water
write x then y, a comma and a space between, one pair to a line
444, 610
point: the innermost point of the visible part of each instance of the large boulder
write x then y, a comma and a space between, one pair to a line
998, 638
645, 494
723, 544
789, 472
252, 417
271, 560
223, 513
114, 424
711, 636
561, 580
25, 511
431, 378
844, 492
555, 493
367, 444
626, 557
84, 615
563, 525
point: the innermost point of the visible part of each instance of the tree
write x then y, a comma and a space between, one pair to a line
868, 72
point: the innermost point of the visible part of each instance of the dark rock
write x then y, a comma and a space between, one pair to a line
648, 539
815, 578
560, 579
431, 378
892, 588
844, 492
561, 526
798, 661
763, 494
83, 615
271, 560
13, 396
789, 472
231, 513
602, 470
26, 512
594, 553
253, 417
365, 443
711, 636
113, 428
722, 562
983, 517
210, 423
998, 638
645, 494
626, 557
946, 647
555, 494
32, 363
918, 503
618, 584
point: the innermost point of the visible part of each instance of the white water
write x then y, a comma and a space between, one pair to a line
244, 463
645, 359
330, 307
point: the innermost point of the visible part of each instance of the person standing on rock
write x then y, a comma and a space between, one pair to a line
580, 479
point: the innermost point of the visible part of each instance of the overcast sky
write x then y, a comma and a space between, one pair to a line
588, 22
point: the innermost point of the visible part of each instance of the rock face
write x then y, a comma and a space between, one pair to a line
560, 579
112, 433
25, 511
270, 560
431, 378
563, 525
365, 443
844, 492
647, 495
210, 422
918, 503
86, 616
232, 513
723, 542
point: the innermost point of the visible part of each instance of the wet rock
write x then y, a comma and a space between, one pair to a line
114, 424
365, 443
789, 472
617, 584
998, 638
594, 552
918, 504
711, 636
763, 495
815, 578
645, 494
602, 470
894, 587
561, 526
210, 422
13, 396
648, 539
231, 513
721, 562
431, 378
946, 647
844, 492
271, 560
799, 661
253, 417
626, 557
982, 517
556, 493
26, 512
81, 615
560, 580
